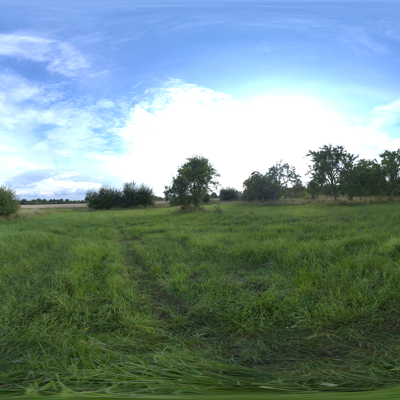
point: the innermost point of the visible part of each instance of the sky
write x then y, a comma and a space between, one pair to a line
104, 92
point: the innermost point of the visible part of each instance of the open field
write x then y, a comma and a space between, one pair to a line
36, 206
158, 301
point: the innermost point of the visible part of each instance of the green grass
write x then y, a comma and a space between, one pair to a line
254, 299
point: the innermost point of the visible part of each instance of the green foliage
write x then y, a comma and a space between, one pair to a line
256, 188
279, 176
9, 202
328, 166
104, 199
365, 178
313, 188
390, 164
192, 183
131, 195
206, 197
144, 196
297, 189
229, 194
272, 184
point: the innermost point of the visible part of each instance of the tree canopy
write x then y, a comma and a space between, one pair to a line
272, 184
328, 166
391, 168
193, 182
9, 202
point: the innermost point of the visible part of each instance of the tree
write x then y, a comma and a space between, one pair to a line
390, 165
328, 166
279, 176
363, 179
313, 188
256, 188
144, 196
105, 198
129, 194
192, 182
9, 202
298, 188
229, 194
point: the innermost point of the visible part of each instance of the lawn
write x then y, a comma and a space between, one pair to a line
254, 299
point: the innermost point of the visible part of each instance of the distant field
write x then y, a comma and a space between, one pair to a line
55, 206
68, 205
254, 299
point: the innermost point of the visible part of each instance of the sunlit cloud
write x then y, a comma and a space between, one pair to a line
179, 120
111, 142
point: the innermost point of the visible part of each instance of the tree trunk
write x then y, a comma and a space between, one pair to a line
335, 194
391, 194
274, 197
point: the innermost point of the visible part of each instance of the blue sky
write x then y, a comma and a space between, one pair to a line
103, 92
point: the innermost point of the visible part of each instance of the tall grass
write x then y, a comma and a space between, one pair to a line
166, 302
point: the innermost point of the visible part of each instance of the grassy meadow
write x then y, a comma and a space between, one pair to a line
253, 299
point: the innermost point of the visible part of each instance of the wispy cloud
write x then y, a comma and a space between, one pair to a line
387, 115
361, 42
61, 57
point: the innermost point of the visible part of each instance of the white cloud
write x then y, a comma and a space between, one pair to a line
38, 130
179, 120
53, 187
61, 57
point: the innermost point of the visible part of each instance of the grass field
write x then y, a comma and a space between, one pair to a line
254, 299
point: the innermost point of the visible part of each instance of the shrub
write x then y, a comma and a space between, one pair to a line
104, 199
144, 196
229, 194
9, 202
206, 198
130, 196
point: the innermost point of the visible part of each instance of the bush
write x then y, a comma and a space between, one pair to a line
144, 196
130, 196
104, 199
206, 198
229, 194
9, 202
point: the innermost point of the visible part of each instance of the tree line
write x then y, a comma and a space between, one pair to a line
335, 171
38, 201
332, 171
